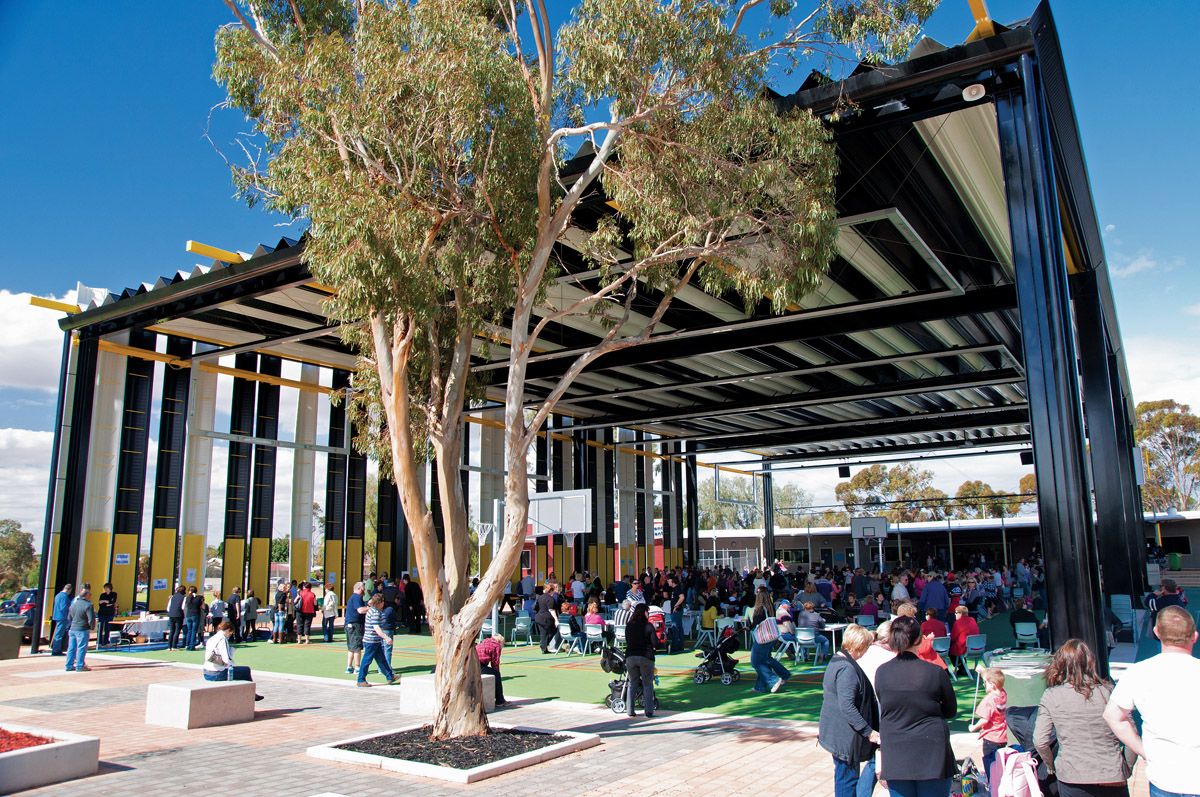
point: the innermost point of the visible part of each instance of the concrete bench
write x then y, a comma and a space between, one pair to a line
200, 704
417, 695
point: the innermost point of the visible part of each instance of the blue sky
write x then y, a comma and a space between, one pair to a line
106, 171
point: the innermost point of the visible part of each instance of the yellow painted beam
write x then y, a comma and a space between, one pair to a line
270, 380
50, 304
215, 342
216, 253
984, 27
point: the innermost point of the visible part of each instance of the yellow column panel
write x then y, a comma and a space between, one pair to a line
191, 565
95, 558
260, 565
298, 559
354, 560
593, 564
233, 567
50, 587
412, 562
562, 566
162, 569
383, 559
628, 560
539, 564
485, 557
124, 569
333, 567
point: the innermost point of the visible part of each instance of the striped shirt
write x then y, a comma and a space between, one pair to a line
374, 618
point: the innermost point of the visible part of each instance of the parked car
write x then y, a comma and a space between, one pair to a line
19, 603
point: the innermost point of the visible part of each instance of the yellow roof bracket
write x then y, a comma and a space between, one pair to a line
984, 26
204, 250
50, 304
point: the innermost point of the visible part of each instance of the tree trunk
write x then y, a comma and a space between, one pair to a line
459, 710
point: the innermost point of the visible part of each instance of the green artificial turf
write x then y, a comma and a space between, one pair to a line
530, 674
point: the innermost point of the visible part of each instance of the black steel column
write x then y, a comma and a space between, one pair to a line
693, 507
1114, 522
335, 491
605, 504
262, 503
677, 498
639, 508
768, 486
356, 510
1135, 543
1072, 569
239, 475
74, 485
168, 476
387, 502
583, 478
131, 469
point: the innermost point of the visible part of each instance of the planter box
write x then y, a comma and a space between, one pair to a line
68, 757
575, 742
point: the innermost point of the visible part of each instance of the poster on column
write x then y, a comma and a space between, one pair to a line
121, 559
190, 576
160, 583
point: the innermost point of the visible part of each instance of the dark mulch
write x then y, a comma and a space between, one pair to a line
464, 753
15, 740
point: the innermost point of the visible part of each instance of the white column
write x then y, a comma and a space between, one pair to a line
197, 479
104, 449
304, 469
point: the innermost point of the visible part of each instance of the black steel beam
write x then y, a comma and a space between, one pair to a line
941, 445
816, 398
805, 325
1064, 501
980, 418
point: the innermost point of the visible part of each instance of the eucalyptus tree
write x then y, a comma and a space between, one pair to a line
425, 144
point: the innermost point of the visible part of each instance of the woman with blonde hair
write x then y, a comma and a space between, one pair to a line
878, 653
849, 728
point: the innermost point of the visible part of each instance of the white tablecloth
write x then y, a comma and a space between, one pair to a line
151, 629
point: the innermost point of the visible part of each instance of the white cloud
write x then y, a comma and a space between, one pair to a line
24, 468
1163, 368
1110, 228
31, 346
1193, 309
1123, 266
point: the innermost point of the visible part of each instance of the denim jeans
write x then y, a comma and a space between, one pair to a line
327, 627
58, 640
919, 788
769, 670
191, 629
234, 673
77, 648
676, 629
374, 651
1157, 792
278, 621
848, 781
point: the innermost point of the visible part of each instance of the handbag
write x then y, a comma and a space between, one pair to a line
767, 631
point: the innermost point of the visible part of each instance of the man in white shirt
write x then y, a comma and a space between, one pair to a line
900, 591
577, 588
218, 658
1163, 690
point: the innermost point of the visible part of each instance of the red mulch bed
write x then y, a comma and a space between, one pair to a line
12, 740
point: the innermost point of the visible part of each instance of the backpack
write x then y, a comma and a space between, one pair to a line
1014, 774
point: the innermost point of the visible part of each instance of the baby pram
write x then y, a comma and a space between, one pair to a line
716, 661
612, 660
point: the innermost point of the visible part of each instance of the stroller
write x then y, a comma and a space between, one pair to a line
716, 661
612, 660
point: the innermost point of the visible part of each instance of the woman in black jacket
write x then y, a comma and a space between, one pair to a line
850, 716
639, 660
915, 701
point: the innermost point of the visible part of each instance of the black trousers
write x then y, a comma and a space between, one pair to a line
548, 630
488, 670
640, 672
176, 628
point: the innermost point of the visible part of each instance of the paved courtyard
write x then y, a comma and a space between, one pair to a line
675, 753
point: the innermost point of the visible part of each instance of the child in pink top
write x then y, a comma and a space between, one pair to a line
991, 725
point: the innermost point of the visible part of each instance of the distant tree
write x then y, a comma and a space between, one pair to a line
722, 514
875, 489
17, 555
280, 550
1028, 488
143, 569
1169, 434
977, 499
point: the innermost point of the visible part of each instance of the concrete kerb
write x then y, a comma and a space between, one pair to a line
68, 757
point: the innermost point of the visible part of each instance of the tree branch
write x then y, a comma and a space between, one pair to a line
263, 41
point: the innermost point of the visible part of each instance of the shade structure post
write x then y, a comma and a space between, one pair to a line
1072, 571
768, 487
1117, 510
166, 516
304, 469
693, 507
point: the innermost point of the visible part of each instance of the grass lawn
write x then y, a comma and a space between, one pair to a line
529, 674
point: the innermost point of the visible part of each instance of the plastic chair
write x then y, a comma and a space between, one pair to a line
485, 630
522, 626
784, 645
941, 646
706, 633
570, 642
866, 620
976, 647
1122, 607
806, 639
619, 635
1026, 634
593, 636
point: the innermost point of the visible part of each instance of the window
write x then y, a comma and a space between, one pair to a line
793, 555
1179, 545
